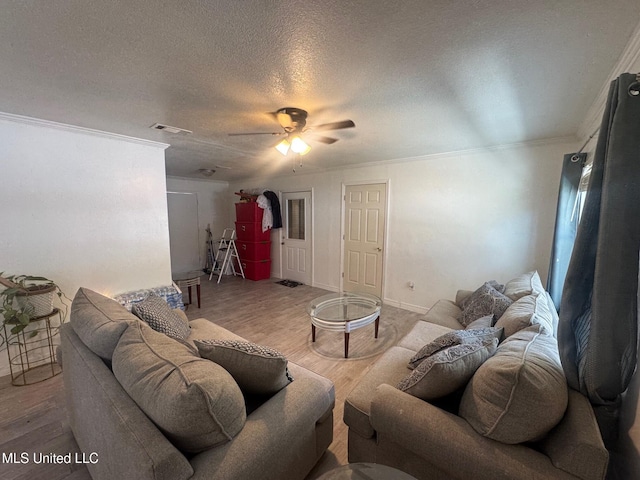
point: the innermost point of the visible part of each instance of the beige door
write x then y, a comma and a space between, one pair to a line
296, 242
364, 225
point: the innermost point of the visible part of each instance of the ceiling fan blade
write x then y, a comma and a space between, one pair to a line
327, 140
334, 125
255, 133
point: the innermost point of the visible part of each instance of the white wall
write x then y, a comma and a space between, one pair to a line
213, 206
455, 220
82, 208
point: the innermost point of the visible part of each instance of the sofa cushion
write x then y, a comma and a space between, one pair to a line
445, 313
99, 321
195, 402
528, 310
421, 334
486, 300
520, 393
390, 368
257, 369
455, 337
522, 285
161, 317
482, 322
448, 369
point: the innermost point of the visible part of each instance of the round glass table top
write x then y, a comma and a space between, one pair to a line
344, 307
365, 471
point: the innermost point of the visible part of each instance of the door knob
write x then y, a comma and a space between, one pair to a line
378, 249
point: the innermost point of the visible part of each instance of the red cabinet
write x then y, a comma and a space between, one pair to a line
254, 245
249, 212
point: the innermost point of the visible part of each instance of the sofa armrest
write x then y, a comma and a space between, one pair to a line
106, 421
575, 444
279, 439
450, 444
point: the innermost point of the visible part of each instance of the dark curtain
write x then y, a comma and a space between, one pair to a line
598, 328
566, 223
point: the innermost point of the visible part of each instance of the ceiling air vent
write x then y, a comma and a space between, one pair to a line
170, 129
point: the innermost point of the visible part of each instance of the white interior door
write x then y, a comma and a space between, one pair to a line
296, 242
364, 225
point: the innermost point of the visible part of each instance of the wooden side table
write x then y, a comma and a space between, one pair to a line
32, 357
188, 280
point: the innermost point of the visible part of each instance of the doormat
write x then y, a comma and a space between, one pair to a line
289, 283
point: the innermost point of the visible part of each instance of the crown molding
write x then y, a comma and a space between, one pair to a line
629, 61
571, 140
10, 117
198, 179
459, 153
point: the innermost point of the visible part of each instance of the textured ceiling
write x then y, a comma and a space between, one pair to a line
417, 77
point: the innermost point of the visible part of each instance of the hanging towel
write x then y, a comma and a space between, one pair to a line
275, 208
267, 216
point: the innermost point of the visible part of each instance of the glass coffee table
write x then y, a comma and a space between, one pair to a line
344, 312
365, 471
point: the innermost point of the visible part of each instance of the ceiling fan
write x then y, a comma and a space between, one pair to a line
294, 123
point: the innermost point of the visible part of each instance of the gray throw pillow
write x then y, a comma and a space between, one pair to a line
520, 393
448, 370
486, 300
522, 285
195, 402
528, 310
99, 321
449, 339
161, 317
482, 322
257, 369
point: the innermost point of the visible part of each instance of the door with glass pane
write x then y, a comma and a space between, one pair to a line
296, 242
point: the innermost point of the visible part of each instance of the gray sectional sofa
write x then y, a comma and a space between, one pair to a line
189, 419
513, 417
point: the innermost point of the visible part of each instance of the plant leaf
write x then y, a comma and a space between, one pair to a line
17, 329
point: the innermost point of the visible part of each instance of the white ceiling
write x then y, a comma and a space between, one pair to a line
417, 77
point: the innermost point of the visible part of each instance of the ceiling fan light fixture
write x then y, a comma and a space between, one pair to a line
299, 146
283, 147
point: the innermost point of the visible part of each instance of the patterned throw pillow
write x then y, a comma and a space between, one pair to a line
455, 337
448, 370
256, 369
486, 300
161, 317
498, 286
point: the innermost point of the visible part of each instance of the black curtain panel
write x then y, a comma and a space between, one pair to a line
567, 216
598, 330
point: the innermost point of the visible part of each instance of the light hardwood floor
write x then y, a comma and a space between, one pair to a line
33, 418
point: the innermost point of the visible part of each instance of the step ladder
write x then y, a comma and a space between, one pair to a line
227, 251
210, 264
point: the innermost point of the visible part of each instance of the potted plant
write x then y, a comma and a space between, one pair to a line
25, 298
